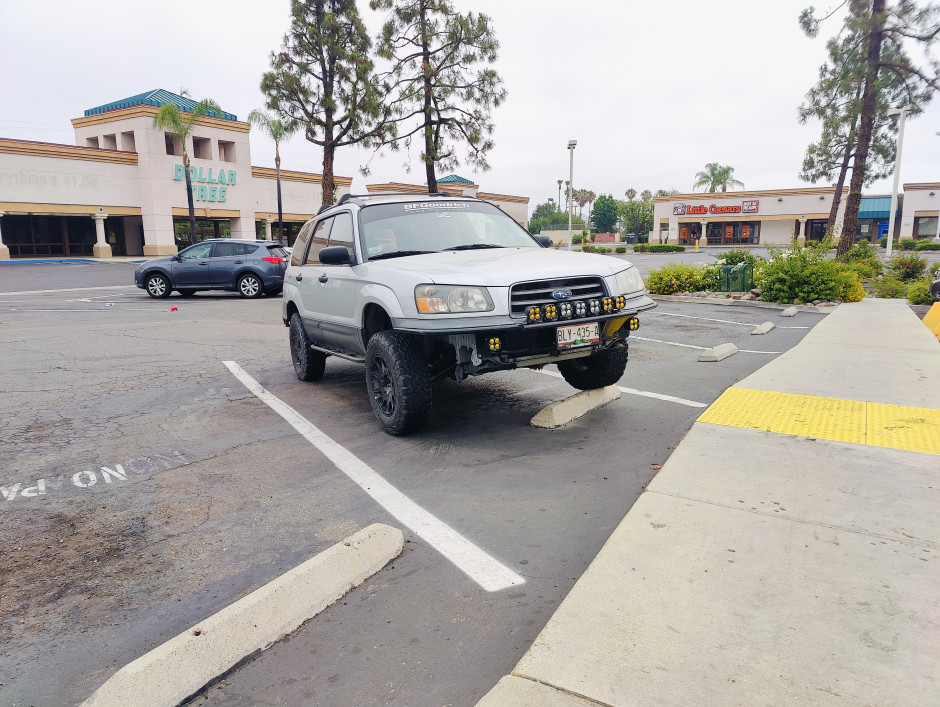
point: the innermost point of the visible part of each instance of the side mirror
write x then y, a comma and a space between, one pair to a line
335, 255
545, 241
176, 257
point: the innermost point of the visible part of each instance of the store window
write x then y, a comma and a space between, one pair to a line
226, 151
174, 146
202, 148
925, 227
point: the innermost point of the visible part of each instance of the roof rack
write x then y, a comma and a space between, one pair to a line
346, 197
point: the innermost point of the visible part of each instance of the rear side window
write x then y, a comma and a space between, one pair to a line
277, 251
318, 241
296, 256
223, 250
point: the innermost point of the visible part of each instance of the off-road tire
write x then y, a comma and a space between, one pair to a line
398, 382
158, 286
597, 371
308, 364
250, 286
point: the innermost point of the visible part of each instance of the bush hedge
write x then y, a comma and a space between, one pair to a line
658, 248
804, 273
682, 277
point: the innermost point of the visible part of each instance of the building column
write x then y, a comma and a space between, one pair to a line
801, 232
704, 231
101, 248
4, 251
269, 229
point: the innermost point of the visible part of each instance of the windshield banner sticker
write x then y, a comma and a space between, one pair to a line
426, 205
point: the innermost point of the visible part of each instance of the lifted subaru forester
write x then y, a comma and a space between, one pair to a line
420, 287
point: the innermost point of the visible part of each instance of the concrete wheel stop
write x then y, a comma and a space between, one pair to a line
184, 665
564, 411
718, 353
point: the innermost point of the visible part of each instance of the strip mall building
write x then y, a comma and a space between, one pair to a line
120, 190
776, 217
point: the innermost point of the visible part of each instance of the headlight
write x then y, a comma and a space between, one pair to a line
629, 281
445, 299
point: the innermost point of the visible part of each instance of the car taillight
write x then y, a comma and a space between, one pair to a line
276, 261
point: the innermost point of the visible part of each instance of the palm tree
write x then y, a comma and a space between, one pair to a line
630, 194
567, 194
277, 131
559, 193
179, 124
716, 178
646, 195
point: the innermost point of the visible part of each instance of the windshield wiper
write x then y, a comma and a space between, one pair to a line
474, 246
398, 253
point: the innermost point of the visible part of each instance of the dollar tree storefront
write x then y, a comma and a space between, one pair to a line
121, 188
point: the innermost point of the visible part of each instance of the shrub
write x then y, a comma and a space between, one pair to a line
805, 274
908, 267
666, 248
586, 248
641, 248
681, 277
866, 269
621, 249
577, 239
733, 257
890, 287
862, 250
926, 244
883, 241
907, 244
918, 292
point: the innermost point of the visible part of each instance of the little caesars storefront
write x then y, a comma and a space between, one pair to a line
120, 190
777, 217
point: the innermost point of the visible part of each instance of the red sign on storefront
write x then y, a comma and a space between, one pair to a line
749, 207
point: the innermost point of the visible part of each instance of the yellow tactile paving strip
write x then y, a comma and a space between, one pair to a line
859, 422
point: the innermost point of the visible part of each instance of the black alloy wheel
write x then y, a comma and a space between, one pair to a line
158, 286
308, 364
398, 382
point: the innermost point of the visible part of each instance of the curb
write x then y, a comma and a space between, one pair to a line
739, 303
564, 411
181, 667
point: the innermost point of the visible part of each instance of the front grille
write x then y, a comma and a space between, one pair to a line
527, 294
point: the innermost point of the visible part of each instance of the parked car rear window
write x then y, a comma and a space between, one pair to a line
277, 251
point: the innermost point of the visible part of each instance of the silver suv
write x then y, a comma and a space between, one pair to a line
419, 287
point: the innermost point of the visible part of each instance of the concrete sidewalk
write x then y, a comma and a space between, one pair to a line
800, 566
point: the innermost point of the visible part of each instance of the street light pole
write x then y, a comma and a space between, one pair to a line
936, 238
902, 113
571, 146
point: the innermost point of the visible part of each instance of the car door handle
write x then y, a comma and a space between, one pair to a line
299, 277
239, 262
205, 263
323, 278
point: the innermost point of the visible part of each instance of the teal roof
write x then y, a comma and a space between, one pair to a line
875, 207
156, 98
453, 179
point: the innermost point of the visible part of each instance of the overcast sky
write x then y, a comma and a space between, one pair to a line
651, 91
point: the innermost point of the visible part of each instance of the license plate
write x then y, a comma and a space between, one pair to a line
570, 337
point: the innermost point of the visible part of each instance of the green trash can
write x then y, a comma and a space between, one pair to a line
736, 278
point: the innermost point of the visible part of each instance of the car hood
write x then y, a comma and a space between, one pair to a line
165, 262
504, 266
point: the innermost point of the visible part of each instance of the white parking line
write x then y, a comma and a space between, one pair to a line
702, 348
483, 569
70, 289
723, 321
645, 393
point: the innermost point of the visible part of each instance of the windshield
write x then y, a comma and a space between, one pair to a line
415, 227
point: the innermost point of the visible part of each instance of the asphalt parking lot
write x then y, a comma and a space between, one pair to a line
146, 488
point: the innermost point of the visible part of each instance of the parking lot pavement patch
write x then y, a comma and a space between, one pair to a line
718, 353
763, 328
564, 411
476, 563
182, 666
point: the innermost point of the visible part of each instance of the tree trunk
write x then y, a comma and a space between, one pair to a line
837, 196
430, 151
866, 125
189, 199
280, 213
329, 184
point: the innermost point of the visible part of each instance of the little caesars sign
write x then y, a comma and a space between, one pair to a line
206, 186
746, 207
